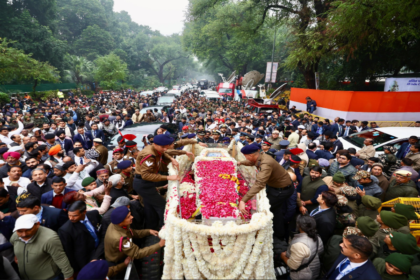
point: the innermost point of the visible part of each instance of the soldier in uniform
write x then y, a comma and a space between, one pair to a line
118, 239
102, 150
118, 155
242, 138
148, 117
274, 178
200, 137
147, 178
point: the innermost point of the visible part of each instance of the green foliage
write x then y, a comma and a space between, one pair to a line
43, 95
94, 42
88, 93
110, 70
4, 98
79, 69
15, 65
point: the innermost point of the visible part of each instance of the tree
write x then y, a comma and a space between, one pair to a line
79, 69
110, 70
224, 38
94, 42
15, 65
76, 15
306, 22
32, 37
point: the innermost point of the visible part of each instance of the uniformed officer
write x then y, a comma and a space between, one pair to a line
250, 139
147, 178
216, 137
129, 146
271, 176
118, 239
200, 137
242, 138
118, 156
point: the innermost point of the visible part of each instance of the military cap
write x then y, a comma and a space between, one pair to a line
163, 140
250, 149
265, 142
361, 174
259, 136
295, 159
190, 136
217, 132
406, 210
284, 143
348, 191
296, 151
352, 231
87, 181
367, 225
184, 136
130, 144
243, 134
124, 164
119, 214
342, 200
249, 136
201, 133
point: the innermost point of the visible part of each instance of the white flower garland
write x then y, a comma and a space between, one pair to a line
246, 251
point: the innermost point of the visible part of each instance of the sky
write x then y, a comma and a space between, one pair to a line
166, 16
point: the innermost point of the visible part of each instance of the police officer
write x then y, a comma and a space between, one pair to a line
147, 178
271, 176
118, 239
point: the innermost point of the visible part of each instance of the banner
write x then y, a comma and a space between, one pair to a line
271, 72
402, 84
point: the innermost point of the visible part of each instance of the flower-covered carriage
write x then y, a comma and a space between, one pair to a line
206, 235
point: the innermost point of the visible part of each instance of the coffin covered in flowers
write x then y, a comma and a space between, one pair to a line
206, 235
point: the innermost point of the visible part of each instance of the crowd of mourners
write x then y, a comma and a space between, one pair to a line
64, 201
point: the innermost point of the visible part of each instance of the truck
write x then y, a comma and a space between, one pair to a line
227, 89
203, 84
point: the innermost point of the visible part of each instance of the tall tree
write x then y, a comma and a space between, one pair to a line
110, 70
15, 65
94, 42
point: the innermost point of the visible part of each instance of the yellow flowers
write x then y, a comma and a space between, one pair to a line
232, 178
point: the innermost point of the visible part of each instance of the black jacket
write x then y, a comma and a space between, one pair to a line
53, 218
37, 191
325, 224
77, 242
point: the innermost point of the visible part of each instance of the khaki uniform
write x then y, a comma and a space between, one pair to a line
270, 172
148, 118
113, 237
129, 181
148, 163
183, 142
103, 154
367, 152
112, 167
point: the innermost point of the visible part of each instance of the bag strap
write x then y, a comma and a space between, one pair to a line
303, 266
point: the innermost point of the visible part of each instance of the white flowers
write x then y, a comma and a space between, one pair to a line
229, 250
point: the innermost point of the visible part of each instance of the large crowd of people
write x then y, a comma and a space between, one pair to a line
70, 211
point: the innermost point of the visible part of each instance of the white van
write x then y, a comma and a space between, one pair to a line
174, 92
148, 92
212, 95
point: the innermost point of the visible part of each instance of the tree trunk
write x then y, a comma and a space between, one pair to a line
35, 84
160, 74
308, 72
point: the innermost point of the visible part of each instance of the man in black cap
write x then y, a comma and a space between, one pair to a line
250, 139
274, 178
50, 139
147, 178
216, 136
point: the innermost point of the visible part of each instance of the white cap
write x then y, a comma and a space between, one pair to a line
276, 131
301, 126
97, 140
25, 222
15, 149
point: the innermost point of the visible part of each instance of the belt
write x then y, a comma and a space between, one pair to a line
138, 176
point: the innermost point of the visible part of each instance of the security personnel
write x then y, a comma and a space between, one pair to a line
216, 137
118, 239
271, 176
242, 138
118, 155
200, 137
129, 146
147, 178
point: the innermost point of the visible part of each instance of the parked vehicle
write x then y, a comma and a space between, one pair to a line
384, 136
258, 106
212, 95
165, 100
203, 84
226, 89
